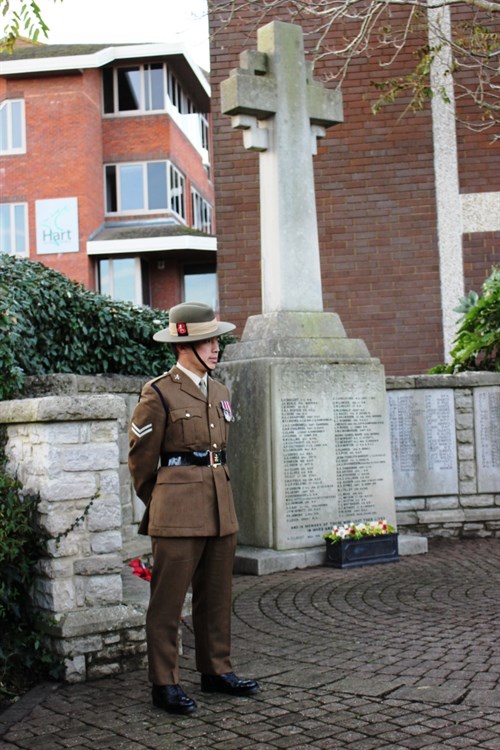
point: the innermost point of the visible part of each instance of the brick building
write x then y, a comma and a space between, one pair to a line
105, 168
408, 208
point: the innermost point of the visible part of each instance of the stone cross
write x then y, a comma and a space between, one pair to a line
281, 110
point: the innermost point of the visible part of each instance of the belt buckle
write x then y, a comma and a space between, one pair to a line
215, 459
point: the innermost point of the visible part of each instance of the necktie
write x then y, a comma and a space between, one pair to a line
203, 387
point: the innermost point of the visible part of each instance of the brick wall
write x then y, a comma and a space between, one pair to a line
481, 251
63, 127
165, 283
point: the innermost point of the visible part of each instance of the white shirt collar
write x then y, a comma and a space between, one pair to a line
194, 377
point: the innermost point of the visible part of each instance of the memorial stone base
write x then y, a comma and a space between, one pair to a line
310, 443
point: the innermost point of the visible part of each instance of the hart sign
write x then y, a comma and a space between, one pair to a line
57, 226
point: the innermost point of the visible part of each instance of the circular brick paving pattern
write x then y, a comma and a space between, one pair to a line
401, 656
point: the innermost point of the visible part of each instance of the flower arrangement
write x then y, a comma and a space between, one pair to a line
359, 530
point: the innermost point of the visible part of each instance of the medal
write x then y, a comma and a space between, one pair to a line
226, 408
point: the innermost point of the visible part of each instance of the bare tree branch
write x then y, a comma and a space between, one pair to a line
350, 29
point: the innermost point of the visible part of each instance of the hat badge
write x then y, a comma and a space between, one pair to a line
182, 329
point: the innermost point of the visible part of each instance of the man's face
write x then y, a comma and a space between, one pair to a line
208, 351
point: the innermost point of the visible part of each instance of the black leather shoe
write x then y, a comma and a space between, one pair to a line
173, 699
228, 683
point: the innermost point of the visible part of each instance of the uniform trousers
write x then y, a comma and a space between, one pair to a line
207, 564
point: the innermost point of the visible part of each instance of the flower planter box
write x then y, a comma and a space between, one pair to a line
352, 553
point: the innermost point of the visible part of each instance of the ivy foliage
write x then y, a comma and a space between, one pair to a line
50, 324
477, 345
25, 658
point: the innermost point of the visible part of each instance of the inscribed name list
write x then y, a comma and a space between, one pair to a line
487, 431
332, 450
423, 442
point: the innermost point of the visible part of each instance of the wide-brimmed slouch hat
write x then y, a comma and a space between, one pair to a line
192, 321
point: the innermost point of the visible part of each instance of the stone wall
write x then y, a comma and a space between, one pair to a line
445, 433
67, 442
70, 448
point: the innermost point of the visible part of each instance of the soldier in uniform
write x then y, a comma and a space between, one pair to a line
177, 459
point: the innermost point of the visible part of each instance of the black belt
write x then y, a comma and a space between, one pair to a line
196, 458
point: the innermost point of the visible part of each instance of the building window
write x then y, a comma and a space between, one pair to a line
177, 190
143, 88
200, 284
121, 279
136, 88
14, 229
12, 127
204, 131
129, 89
143, 187
178, 96
154, 87
202, 213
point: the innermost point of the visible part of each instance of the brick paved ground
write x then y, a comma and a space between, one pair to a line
399, 656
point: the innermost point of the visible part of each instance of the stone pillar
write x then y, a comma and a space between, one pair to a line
65, 450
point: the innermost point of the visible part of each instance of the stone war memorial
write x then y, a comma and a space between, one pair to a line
310, 445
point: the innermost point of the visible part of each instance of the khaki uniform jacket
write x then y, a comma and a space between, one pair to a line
174, 416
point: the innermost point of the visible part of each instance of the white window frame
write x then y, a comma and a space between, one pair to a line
173, 92
178, 192
12, 225
204, 130
8, 104
176, 94
171, 191
201, 208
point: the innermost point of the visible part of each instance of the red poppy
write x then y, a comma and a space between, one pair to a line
140, 569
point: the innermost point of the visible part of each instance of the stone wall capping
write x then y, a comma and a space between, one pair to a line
65, 384
457, 380
61, 408
399, 382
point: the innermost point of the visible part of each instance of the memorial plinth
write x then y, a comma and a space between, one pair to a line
310, 444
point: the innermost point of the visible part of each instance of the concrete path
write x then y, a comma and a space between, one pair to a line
397, 656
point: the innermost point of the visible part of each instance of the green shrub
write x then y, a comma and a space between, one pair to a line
477, 345
24, 657
50, 324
